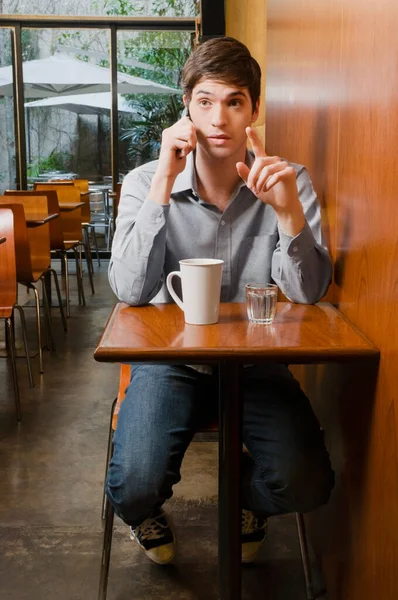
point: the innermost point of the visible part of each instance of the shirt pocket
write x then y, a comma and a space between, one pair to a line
254, 261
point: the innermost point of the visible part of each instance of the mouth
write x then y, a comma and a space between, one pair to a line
218, 140
218, 137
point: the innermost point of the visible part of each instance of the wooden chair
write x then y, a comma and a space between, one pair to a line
108, 511
33, 261
71, 220
8, 299
67, 227
86, 224
71, 194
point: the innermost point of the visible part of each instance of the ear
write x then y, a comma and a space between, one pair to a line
256, 111
184, 99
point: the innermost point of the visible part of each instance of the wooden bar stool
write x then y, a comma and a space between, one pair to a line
67, 227
108, 511
33, 261
8, 299
82, 185
68, 194
88, 225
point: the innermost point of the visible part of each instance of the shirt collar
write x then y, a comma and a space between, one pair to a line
186, 180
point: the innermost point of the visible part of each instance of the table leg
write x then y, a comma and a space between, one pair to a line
229, 501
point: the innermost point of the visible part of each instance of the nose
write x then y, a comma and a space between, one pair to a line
218, 116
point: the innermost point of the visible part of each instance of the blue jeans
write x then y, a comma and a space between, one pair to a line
288, 469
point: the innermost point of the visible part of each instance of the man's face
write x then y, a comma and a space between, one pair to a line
220, 113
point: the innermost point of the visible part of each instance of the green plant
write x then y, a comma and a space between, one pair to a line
55, 161
155, 114
167, 51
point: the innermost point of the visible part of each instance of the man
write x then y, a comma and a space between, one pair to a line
207, 197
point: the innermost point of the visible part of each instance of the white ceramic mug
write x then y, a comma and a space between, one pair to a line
201, 289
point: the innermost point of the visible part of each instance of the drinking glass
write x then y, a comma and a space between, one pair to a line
261, 300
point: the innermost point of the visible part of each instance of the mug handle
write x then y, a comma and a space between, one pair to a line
172, 292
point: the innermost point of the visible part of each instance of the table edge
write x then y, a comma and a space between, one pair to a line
215, 355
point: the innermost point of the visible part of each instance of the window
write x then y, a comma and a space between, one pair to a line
68, 128
128, 8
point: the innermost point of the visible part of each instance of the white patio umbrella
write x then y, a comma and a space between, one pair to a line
83, 104
6, 87
59, 75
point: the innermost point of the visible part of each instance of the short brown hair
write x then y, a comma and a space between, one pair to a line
224, 59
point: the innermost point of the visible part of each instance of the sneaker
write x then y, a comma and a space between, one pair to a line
156, 537
254, 533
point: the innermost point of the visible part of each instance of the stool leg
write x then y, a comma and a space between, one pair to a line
89, 260
61, 308
38, 322
94, 234
25, 341
79, 276
65, 267
108, 458
86, 242
106, 552
11, 346
305, 556
47, 315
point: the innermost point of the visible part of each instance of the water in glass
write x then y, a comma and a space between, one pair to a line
261, 302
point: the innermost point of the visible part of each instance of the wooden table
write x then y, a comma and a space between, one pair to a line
69, 206
37, 220
300, 334
2, 240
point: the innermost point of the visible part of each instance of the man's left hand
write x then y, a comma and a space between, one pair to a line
273, 181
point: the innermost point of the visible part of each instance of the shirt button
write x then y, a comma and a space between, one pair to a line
222, 223
295, 249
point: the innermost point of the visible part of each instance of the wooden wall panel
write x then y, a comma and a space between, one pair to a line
302, 108
367, 269
332, 89
246, 21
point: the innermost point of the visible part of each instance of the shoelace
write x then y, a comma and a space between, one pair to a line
150, 529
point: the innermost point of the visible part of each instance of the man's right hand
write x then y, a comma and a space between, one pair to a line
177, 142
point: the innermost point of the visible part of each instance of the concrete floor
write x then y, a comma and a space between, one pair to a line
51, 477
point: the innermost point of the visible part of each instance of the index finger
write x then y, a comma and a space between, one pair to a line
255, 141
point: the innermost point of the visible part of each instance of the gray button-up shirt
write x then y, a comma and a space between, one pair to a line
151, 238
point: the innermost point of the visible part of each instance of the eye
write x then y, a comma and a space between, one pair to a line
204, 103
235, 102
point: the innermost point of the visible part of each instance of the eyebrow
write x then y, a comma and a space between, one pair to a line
207, 93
